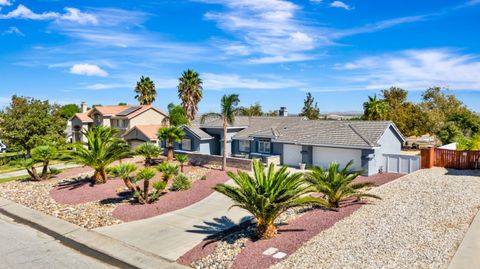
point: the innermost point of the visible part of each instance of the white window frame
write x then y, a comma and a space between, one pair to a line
189, 148
244, 145
264, 146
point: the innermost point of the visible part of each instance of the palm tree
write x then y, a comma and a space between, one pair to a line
375, 109
267, 194
182, 159
177, 115
190, 92
148, 151
124, 171
145, 174
170, 135
168, 171
29, 165
145, 91
229, 107
44, 154
103, 148
336, 184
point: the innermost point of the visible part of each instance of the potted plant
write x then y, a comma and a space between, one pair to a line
302, 166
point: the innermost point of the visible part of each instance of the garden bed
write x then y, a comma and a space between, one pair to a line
237, 250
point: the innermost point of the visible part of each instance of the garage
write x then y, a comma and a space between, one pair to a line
292, 155
322, 156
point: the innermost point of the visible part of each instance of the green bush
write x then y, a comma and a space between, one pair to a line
54, 171
204, 177
181, 183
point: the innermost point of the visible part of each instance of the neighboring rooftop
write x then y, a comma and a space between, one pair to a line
149, 131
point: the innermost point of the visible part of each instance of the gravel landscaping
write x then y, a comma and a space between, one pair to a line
238, 250
419, 224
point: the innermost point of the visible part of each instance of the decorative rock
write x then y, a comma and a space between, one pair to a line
270, 251
279, 255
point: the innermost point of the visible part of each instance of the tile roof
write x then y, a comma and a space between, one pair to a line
113, 111
83, 117
195, 129
109, 110
149, 131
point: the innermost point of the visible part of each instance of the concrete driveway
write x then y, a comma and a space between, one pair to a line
173, 234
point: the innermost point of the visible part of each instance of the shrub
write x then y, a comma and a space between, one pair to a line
204, 177
168, 170
158, 187
145, 174
54, 171
44, 154
181, 183
148, 151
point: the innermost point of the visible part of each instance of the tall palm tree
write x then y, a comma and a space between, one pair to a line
145, 91
190, 92
170, 135
336, 184
229, 108
103, 148
375, 109
267, 194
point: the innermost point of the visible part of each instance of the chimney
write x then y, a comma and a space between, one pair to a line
83, 107
283, 112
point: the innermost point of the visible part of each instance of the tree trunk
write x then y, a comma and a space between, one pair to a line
266, 231
146, 184
148, 162
181, 167
33, 173
224, 161
45, 170
100, 176
129, 184
170, 152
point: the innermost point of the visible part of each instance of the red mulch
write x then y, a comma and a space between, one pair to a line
83, 191
291, 236
172, 200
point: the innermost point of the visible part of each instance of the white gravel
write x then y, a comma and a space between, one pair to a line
419, 224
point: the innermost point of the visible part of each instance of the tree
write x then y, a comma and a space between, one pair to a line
27, 122
472, 143
229, 109
190, 92
148, 151
122, 104
67, 111
177, 115
29, 165
103, 148
407, 116
337, 184
145, 91
374, 109
252, 110
44, 154
312, 112
267, 194
124, 171
170, 135
182, 159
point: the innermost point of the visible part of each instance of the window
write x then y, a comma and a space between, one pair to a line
264, 146
97, 118
186, 144
244, 145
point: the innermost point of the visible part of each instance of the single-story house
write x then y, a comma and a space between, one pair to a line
297, 140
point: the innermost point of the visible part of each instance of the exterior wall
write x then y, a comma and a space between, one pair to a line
292, 154
390, 143
203, 159
199, 146
322, 156
150, 116
219, 132
77, 135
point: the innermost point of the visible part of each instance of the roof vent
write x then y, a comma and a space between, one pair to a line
283, 112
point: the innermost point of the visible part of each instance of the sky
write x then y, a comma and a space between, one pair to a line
267, 51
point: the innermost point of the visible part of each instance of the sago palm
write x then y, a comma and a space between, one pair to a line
170, 135
168, 171
145, 91
190, 92
148, 151
44, 154
145, 174
124, 171
103, 148
182, 159
29, 165
267, 194
337, 184
229, 109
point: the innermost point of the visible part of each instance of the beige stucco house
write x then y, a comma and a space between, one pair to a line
122, 118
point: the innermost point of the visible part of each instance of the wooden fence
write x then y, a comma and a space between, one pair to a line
457, 159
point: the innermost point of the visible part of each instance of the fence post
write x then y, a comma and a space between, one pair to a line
428, 156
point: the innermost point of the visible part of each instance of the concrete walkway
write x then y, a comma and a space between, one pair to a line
24, 173
467, 256
173, 234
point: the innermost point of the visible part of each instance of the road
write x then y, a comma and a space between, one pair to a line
23, 172
23, 247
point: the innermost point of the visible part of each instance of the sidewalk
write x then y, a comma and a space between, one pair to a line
24, 173
467, 256
173, 234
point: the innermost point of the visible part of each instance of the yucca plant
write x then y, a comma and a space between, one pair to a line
103, 148
44, 154
29, 165
182, 159
337, 183
124, 171
267, 194
168, 170
148, 151
145, 174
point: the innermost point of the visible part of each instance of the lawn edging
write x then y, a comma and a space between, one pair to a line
86, 241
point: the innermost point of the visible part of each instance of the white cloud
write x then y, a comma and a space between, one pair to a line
88, 70
281, 59
340, 4
5, 3
71, 14
232, 81
418, 69
13, 31
316, 1
105, 86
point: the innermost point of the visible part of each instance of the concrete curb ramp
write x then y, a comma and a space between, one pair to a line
467, 256
89, 242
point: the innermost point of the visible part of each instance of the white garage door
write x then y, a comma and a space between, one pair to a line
322, 156
292, 154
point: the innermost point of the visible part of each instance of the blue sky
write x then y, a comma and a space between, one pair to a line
270, 51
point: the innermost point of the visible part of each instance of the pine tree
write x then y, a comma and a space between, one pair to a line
312, 112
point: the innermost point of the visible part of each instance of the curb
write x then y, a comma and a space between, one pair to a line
88, 242
466, 256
